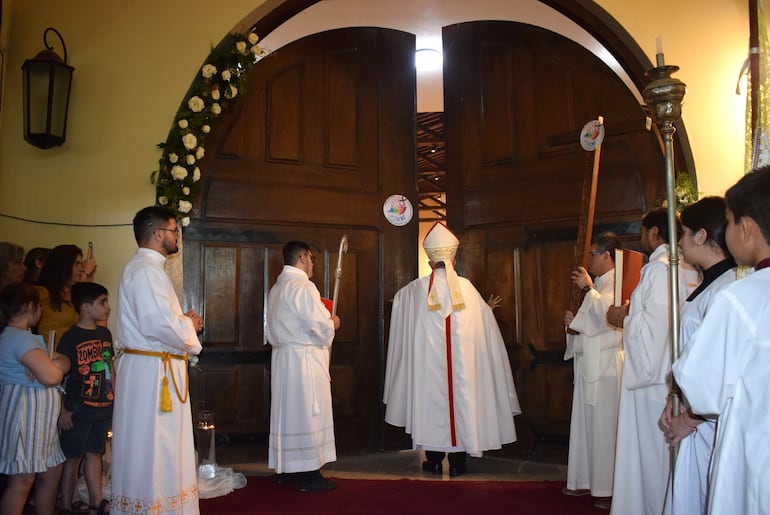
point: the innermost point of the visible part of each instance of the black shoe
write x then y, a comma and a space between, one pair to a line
314, 482
458, 470
434, 467
283, 478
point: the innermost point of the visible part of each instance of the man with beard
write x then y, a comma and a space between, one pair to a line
641, 455
153, 454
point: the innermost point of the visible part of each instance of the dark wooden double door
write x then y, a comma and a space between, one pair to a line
326, 133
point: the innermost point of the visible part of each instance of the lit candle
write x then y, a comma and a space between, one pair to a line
660, 61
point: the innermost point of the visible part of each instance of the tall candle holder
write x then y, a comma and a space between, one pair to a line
663, 96
206, 433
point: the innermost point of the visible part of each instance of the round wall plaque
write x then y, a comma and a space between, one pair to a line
398, 210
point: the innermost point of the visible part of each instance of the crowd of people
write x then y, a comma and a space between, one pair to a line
448, 380
57, 378
624, 394
49, 308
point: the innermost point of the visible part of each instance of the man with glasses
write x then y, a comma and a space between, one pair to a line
300, 329
152, 450
597, 349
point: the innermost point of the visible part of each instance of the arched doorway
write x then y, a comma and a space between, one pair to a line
263, 191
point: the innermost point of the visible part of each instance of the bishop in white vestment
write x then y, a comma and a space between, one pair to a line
448, 379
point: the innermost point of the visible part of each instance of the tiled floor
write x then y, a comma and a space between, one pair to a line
407, 464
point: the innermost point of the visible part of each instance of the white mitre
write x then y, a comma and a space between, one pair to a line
440, 245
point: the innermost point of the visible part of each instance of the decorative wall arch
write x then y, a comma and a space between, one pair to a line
585, 13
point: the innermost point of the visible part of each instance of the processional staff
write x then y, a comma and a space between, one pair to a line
591, 137
663, 96
343, 249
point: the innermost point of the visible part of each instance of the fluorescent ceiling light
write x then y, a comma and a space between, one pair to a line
427, 59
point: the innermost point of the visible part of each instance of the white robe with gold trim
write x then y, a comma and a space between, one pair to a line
153, 454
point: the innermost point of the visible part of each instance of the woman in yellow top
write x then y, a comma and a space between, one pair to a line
63, 267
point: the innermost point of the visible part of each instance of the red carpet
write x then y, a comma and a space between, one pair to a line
403, 496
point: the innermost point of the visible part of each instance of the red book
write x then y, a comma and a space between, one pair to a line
328, 303
628, 268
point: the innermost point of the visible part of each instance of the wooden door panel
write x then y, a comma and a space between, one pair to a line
516, 97
325, 134
320, 100
233, 375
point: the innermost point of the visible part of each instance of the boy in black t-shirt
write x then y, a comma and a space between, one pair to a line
86, 416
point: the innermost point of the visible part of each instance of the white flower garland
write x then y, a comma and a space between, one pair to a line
222, 79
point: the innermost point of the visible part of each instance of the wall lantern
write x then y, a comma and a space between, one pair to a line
47, 81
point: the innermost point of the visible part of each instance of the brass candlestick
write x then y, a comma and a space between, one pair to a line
663, 96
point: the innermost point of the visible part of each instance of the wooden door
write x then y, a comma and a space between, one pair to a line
325, 134
516, 97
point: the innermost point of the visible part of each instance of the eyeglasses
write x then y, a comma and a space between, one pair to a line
597, 252
175, 230
311, 256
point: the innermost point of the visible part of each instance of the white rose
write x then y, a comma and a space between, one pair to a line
233, 91
215, 94
206, 129
190, 159
185, 206
162, 201
196, 104
196, 174
200, 152
185, 191
241, 47
179, 172
216, 108
173, 158
185, 221
208, 71
182, 123
226, 75
190, 141
253, 38
256, 50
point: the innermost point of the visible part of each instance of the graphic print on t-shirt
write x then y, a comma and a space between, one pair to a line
93, 369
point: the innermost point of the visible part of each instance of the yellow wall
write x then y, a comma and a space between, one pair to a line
708, 40
135, 60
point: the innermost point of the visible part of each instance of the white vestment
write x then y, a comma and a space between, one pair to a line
598, 355
153, 455
641, 454
300, 330
694, 455
725, 371
466, 406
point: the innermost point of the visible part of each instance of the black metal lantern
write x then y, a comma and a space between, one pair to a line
47, 81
